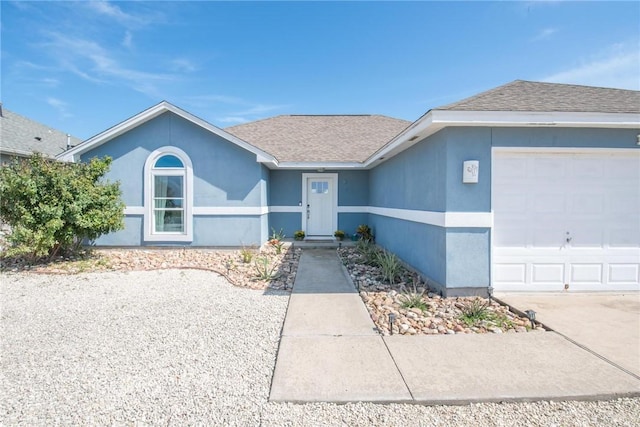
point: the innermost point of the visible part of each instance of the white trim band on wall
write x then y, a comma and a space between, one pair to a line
439, 219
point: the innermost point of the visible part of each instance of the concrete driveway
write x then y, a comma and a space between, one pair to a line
607, 324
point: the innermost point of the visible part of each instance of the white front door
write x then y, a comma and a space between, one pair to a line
320, 204
566, 220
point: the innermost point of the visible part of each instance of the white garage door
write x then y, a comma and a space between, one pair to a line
566, 220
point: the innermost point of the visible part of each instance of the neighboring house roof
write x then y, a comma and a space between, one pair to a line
523, 95
320, 138
21, 136
151, 113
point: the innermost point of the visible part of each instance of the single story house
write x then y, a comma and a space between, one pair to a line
21, 137
528, 186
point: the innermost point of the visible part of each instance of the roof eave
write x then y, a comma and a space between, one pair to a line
320, 165
435, 120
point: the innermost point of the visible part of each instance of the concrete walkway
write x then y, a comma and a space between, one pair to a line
330, 352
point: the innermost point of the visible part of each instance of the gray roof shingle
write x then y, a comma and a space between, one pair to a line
22, 136
523, 95
320, 138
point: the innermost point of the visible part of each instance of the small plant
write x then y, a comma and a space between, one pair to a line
389, 264
265, 271
475, 311
276, 240
368, 252
247, 254
413, 300
339, 234
364, 233
299, 235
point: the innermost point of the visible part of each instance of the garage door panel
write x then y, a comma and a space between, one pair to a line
626, 274
548, 274
510, 274
549, 203
568, 218
586, 274
624, 237
549, 168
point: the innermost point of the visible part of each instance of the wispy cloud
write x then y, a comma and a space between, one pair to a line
231, 109
115, 13
89, 60
127, 41
544, 34
183, 65
618, 67
61, 106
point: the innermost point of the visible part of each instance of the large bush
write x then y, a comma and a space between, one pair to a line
52, 207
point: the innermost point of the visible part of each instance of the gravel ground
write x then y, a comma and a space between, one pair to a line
183, 347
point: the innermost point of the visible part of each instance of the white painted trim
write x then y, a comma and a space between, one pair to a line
230, 210
286, 209
439, 219
149, 234
134, 210
217, 210
353, 209
544, 119
563, 150
334, 196
320, 165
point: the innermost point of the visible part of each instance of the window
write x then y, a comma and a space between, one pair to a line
319, 187
168, 177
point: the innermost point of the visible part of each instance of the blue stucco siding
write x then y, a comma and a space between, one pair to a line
414, 179
353, 188
288, 222
468, 257
468, 144
422, 246
228, 230
349, 221
285, 188
131, 235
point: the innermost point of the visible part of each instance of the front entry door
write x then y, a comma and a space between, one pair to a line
320, 212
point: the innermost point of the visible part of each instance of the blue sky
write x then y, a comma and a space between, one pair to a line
83, 67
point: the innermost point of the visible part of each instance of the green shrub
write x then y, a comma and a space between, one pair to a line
364, 233
53, 207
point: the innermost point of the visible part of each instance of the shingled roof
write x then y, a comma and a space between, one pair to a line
22, 136
523, 95
320, 138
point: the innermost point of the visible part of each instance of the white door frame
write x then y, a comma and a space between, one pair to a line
333, 177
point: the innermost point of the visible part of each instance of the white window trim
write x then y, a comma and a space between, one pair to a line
149, 234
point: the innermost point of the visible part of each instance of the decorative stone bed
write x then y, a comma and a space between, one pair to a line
228, 263
437, 316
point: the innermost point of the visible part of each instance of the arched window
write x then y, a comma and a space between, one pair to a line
168, 195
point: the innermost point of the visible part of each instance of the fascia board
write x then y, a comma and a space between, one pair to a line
529, 119
320, 165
